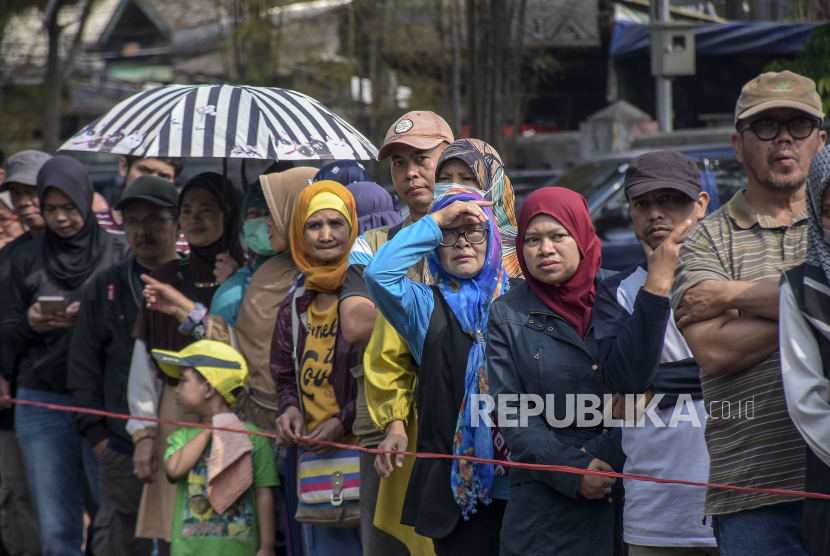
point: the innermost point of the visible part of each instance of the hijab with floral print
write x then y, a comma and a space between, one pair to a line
469, 300
488, 169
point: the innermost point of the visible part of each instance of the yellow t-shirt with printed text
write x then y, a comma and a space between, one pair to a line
316, 366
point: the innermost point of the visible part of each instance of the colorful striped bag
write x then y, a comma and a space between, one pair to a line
328, 488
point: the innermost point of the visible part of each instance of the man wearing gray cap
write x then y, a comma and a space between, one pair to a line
725, 299
100, 355
21, 183
17, 519
632, 309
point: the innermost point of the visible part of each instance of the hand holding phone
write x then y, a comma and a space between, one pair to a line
59, 316
51, 305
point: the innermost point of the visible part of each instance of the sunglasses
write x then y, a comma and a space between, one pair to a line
768, 129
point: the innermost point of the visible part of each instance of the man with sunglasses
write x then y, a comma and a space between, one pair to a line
725, 300
101, 352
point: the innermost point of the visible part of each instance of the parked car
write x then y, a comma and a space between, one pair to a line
600, 182
525, 182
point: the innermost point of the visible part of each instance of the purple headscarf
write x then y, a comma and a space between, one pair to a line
375, 207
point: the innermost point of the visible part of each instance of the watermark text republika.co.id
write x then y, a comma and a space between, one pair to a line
589, 410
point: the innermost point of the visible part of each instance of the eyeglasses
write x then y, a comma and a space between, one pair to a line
767, 130
151, 224
474, 236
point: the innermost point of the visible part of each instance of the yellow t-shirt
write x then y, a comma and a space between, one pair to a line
316, 366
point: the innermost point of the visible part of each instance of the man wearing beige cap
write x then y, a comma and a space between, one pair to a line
414, 144
725, 298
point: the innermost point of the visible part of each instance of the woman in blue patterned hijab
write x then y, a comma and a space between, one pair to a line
445, 326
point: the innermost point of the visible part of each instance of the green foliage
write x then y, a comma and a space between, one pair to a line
812, 61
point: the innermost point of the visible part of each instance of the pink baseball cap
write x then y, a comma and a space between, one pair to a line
419, 129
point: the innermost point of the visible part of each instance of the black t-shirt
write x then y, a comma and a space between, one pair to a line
355, 284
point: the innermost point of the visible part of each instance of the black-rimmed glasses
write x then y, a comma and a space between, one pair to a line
474, 236
151, 224
768, 129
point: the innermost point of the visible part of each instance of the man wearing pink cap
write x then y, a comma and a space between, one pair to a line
414, 144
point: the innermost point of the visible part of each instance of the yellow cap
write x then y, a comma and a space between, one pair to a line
219, 363
328, 200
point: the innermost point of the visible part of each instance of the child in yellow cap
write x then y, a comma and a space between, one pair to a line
225, 502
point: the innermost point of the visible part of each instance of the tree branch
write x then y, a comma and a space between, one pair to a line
77, 42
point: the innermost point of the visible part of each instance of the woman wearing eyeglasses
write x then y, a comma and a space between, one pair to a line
458, 504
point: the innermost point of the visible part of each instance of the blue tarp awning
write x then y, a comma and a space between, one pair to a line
631, 40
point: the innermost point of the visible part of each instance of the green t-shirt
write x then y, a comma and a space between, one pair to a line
197, 529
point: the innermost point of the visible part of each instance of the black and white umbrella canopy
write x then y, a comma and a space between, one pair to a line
223, 121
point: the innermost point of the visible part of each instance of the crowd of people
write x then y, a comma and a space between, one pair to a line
311, 309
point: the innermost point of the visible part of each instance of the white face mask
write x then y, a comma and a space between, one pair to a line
441, 188
826, 235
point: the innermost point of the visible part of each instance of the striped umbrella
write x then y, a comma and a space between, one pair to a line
223, 121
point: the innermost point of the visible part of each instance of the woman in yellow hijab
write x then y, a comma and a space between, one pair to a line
323, 230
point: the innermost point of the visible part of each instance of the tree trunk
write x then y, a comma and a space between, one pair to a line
516, 57
442, 59
56, 76
54, 87
473, 89
77, 43
456, 68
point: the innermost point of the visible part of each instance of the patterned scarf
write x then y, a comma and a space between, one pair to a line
817, 262
469, 300
488, 169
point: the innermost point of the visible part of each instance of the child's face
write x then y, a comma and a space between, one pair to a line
191, 391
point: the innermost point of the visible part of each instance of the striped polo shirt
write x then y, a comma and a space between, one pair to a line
751, 439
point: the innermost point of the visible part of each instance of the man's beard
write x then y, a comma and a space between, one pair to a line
784, 183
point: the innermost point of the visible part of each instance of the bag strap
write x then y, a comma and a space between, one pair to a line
295, 323
295, 334
189, 285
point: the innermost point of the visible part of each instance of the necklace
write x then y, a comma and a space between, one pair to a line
206, 284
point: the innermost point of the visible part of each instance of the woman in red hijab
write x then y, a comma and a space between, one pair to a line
541, 343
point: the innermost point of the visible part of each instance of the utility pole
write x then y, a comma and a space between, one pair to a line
659, 13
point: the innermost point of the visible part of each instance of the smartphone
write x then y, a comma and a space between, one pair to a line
51, 304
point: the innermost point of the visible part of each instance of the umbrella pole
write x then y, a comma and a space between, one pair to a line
225, 245
244, 176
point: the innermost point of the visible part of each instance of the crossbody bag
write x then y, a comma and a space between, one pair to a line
328, 487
